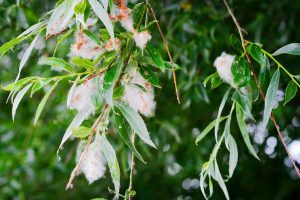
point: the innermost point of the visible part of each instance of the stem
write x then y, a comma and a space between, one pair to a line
76, 170
281, 66
132, 164
259, 87
168, 51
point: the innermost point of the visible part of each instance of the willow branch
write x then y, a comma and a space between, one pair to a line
132, 164
168, 51
76, 170
259, 87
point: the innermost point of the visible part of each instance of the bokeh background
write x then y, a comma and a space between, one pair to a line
197, 31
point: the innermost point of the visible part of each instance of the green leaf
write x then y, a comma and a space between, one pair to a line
225, 97
92, 36
118, 92
80, 7
112, 161
81, 131
264, 75
236, 43
270, 98
103, 16
155, 57
5, 47
292, 49
241, 72
208, 129
290, 91
18, 99
218, 177
43, 102
244, 102
81, 62
110, 78
149, 75
244, 132
39, 85
233, 153
136, 122
137, 13
56, 63
26, 55
256, 53
168, 65
124, 131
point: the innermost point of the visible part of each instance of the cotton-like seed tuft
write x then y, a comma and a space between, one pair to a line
93, 165
85, 47
141, 39
223, 64
82, 96
57, 28
138, 99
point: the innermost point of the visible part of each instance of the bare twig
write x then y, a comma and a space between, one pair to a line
132, 164
240, 30
168, 51
76, 170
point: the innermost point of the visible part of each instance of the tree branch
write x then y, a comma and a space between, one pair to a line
76, 170
168, 51
259, 87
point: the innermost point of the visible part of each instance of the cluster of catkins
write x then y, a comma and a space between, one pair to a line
223, 65
138, 92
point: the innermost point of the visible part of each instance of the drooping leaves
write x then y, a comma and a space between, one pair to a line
155, 57
110, 155
270, 98
124, 131
136, 122
243, 129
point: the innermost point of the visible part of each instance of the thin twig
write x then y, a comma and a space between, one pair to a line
132, 164
168, 51
259, 87
76, 170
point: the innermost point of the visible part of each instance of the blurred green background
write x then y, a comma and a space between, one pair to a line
197, 31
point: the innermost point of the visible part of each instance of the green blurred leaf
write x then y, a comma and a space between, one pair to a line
241, 72
290, 92
149, 75
292, 49
81, 131
155, 57
270, 98
85, 63
56, 63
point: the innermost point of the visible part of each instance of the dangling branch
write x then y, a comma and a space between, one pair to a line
132, 164
240, 30
168, 51
76, 170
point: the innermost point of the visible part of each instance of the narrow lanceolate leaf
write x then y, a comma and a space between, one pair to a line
290, 92
136, 122
244, 132
124, 131
5, 47
26, 56
208, 129
243, 101
241, 72
149, 75
71, 91
270, 98
92, 36
112, 161
76, 122
219, 179
264, 74
220, 112
43, 102
155, 57
32, 29
18, 99
233, 153
110, 78
103, 16
292, 49
81, 62
56, 63
69, 11
256, 53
